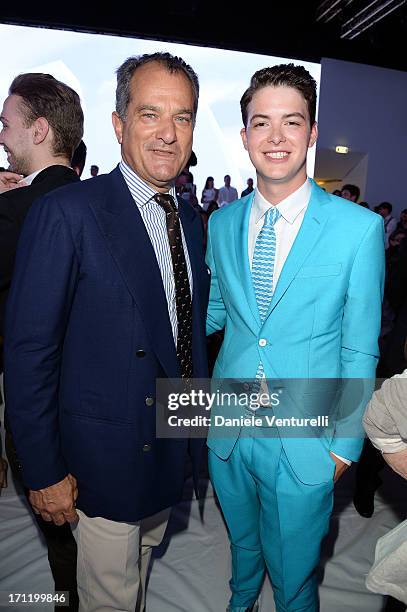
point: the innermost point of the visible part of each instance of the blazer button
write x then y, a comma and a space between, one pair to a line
146, 448
149, 401
141, 353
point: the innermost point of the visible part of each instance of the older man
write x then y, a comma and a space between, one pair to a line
121, 260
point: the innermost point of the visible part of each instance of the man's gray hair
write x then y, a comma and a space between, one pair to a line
126, 71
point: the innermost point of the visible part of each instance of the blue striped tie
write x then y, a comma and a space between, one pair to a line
263, 270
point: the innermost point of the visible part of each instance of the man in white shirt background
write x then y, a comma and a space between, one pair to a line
227, 194
390, 223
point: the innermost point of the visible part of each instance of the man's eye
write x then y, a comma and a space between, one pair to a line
183, 119
260, 124
149, 115
292, 123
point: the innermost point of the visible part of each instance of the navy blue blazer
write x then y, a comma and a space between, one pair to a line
87, 334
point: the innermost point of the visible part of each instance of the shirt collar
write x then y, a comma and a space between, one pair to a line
140, 191
27, 180
289, 208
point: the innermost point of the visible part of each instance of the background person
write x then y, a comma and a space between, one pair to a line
209, 193
227, 193
42, 123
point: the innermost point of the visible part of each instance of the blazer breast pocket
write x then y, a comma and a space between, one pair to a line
318, 271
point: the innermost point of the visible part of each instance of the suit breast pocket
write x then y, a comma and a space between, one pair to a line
320, 271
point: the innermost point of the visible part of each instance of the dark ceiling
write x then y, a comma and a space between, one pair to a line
304, 30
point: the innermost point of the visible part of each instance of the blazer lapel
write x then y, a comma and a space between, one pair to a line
310, 230
242, 256
129, 244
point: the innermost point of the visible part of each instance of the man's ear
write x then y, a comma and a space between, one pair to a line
313, 135
244, 137
117, 126
40, 130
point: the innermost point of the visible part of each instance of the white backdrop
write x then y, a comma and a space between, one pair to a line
87, 62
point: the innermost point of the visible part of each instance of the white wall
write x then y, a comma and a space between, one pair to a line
87, 62
365, 108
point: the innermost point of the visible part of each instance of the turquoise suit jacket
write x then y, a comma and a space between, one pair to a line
323, 320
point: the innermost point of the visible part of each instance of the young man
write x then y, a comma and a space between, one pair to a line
297, 279
42, 124
126, 284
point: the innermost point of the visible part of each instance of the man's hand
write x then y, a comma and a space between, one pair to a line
3, 473
341, 467
397, 462
57, 502
10, 180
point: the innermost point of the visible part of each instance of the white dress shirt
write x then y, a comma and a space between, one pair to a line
227, 195
292, 210
390, 224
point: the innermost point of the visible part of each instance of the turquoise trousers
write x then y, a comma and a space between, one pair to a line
275, 522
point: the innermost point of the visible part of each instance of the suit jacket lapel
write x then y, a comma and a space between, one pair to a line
123, 229
310, 230
242, 256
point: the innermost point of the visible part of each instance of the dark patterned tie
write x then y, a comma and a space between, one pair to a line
182, 290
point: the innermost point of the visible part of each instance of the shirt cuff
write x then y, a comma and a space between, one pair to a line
347, 461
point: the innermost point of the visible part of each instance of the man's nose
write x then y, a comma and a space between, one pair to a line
276, 135
166, 130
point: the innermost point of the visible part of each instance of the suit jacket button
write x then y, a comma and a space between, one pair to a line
141, 353
146, 448
149, 401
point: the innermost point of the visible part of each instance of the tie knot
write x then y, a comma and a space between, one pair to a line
166, 201
272, 215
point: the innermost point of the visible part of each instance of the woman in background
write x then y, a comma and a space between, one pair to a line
209, 193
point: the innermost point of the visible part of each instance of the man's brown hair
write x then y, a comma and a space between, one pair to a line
285, 75
44, 96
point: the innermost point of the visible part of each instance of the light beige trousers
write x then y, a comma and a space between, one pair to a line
113, 560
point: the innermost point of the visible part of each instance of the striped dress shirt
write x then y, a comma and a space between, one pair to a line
153, 217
